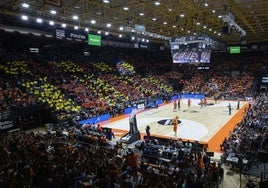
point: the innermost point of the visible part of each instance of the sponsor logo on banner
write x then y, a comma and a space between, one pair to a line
143, 46
140, 106
6, 125
77, 36
69, 34
136, 45
60, 33
6, 121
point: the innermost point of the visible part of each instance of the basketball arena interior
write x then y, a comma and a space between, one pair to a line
134, 93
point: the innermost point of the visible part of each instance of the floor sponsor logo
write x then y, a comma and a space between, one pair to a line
167, 122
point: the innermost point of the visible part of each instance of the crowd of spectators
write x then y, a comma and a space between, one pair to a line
84, 156
250, 136
97, 88
79, 156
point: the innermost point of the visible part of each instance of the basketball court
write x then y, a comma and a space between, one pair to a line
208, 125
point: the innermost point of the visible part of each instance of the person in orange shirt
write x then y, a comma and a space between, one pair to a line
175, 125
174, 106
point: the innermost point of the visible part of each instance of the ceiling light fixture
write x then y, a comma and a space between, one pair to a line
25, 5
86, 29
23, 17
157, 3
39, 20
181, 15
75, 17
108, 25
93, 21
51, 23
53, 12
63, 25
126, 8
76, 27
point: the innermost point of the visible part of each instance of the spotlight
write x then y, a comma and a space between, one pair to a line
25, 5
75, 17
39, 20
53, 11
23, 17
51, 23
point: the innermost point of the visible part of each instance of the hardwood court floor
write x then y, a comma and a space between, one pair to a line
207, 125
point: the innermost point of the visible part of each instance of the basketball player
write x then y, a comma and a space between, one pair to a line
201, 103
189, 102
175, 125
205, 102
174, 106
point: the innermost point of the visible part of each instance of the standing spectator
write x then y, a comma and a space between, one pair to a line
148, 134
229, 108
132, 159
199, 168
110, 135
215, 98
238, 104
179, 104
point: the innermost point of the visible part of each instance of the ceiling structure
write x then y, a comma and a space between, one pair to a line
170, 18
